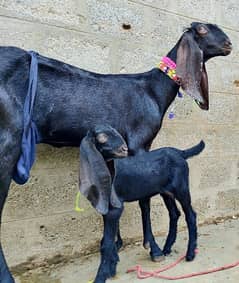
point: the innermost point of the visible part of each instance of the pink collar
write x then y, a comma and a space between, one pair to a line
168, 66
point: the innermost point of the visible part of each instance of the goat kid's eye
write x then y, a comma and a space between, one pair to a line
202, 30
102, 138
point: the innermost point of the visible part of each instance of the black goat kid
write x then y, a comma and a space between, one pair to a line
163, 171
70, 101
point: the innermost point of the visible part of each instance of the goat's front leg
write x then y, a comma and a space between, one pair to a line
119, 241
149, 241
109, 253
174, 214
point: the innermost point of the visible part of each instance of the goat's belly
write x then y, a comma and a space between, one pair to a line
64, 138
138, 178
136, 187
136, 196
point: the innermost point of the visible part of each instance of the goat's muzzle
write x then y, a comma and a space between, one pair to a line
203, 106
122, 151
227, 47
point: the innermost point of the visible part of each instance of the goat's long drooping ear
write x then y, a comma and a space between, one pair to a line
191, 70
95, 179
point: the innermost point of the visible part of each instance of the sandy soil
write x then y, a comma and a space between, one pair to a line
218, 245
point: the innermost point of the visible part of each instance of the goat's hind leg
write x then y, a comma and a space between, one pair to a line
190, 216
8, 160
156, 253
10, 142
174, 215
5, 275
9, 152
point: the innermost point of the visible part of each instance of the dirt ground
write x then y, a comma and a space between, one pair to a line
218, 245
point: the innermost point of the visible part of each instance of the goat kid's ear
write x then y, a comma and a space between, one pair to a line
190, 67
95, 179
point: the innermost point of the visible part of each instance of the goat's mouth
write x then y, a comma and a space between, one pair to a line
121, 152
226, 50
202, 105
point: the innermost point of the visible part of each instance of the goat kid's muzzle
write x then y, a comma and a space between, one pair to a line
122, 151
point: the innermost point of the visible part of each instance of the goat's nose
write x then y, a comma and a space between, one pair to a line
228, 43
124, 150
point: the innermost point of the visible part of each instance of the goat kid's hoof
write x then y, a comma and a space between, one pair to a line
190, 257
112, 271
119, 245
99, 280
167, 251
146, 245
158, 258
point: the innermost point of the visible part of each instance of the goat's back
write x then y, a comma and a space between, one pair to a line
70, 100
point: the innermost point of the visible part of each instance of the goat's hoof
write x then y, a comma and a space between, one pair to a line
112, 271
99, 280
190, 257
158, 258
114, 277
146, 245
119, 245
167, 251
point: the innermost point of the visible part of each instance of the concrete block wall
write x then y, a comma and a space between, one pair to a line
39, 221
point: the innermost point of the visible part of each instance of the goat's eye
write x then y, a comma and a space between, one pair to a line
202, 30
102, 138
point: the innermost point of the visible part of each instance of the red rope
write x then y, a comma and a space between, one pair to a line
141, 274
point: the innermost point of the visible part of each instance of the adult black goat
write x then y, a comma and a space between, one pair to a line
70, 101
163, 171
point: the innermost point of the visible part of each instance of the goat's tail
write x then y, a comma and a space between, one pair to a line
195, 150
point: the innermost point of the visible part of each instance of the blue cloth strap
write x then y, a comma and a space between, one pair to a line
30, 135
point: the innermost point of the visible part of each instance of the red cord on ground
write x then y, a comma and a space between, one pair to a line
141, 274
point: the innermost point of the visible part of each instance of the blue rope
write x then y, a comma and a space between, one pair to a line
30, 135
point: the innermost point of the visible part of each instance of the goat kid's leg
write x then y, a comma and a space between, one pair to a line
149, 241
5, 275
174, 215
190, 217
109, 253
119, 241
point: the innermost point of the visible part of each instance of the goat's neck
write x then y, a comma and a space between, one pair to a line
165, 89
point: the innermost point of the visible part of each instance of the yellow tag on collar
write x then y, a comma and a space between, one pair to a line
77, 208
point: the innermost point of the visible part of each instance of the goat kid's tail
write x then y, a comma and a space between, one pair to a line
195, 150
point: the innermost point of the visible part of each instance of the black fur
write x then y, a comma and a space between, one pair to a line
70, 101
165, 172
